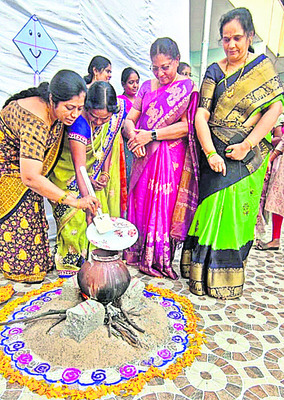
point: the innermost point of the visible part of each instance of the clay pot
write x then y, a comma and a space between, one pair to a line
105, 278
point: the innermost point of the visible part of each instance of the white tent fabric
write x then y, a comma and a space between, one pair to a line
119, 30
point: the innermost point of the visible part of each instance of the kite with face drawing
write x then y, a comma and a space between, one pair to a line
35, 44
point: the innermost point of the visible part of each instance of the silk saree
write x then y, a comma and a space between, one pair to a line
163, 184
222, 232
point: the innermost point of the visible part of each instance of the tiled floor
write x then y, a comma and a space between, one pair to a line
244, 354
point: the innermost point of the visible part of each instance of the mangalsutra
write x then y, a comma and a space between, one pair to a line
98, 154
230, 91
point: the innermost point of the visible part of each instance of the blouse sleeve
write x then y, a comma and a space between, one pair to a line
33, 139
207, 89
137, 104
79, 131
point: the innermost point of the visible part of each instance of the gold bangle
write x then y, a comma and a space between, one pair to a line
78, 203
105, 174
251, 146
62, 198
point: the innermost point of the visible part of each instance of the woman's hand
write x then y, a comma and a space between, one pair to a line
141, 152
88, 203
101, 182
141, 138
237, 151
217, 164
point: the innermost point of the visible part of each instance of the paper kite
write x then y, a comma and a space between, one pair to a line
35, 44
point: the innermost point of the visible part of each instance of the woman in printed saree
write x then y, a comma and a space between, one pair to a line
31, 126
240, 102
164, 178
92, 141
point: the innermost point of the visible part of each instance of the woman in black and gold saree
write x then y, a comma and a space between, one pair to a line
240, 102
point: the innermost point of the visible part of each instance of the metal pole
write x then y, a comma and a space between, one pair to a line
205, 41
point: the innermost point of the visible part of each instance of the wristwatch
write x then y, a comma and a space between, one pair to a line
154, 135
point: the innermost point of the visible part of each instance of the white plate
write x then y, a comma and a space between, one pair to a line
121, 237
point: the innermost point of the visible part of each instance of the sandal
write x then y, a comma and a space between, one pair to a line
264, 246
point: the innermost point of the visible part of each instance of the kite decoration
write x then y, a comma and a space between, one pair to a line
36, 46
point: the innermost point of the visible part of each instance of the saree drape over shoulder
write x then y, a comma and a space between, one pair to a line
72, 244
24, 248
163, 186
222, 231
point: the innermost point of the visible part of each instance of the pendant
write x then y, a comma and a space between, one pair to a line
99, 155
230, 92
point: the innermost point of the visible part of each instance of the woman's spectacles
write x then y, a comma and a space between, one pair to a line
164, 68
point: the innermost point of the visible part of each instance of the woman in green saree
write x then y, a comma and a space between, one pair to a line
94, 142
240, 102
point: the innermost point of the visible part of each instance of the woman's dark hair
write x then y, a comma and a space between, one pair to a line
126, 74
165, 46
63, 86
182, 66
244, 17
101, 95
98, 62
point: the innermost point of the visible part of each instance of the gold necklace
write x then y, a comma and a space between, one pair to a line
98, 154
230, 91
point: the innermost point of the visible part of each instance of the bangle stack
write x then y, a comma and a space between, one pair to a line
106, 174
62, 198
251, 146
211, 154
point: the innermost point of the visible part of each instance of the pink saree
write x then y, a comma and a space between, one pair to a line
163, 190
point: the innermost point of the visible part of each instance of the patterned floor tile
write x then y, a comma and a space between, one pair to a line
251, 317
233, 343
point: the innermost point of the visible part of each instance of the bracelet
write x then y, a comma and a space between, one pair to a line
154, 135
276, 152
105, 174
62, 198
78, 203
251, 146
211, 154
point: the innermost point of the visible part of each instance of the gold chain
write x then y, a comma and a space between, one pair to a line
98, 154
231, 90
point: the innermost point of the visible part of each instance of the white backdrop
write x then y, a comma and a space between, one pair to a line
121, 30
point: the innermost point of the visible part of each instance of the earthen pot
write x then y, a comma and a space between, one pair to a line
105, 278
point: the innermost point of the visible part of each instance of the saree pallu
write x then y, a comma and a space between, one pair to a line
222, 231
24, 247
72, 245
163, 185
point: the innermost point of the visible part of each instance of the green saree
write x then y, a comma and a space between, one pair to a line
72, 245
222, 232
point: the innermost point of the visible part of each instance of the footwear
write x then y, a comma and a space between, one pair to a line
264, 246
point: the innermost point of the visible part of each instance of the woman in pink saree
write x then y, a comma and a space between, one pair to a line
163, 190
